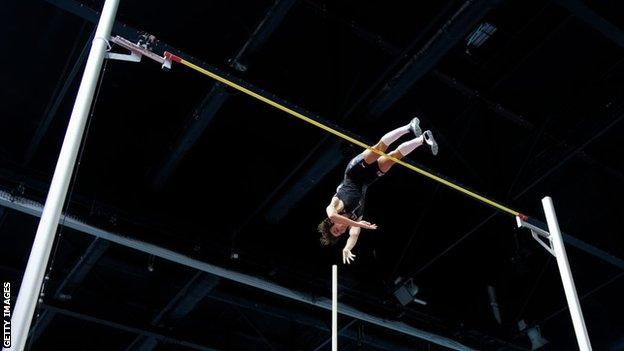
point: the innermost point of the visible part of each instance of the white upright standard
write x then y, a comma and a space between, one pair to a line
40, 253
334, 308
566, 275
552, 241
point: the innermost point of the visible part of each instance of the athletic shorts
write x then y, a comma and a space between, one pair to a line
362, 173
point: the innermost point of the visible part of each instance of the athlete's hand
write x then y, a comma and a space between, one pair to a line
367, 225
347, 256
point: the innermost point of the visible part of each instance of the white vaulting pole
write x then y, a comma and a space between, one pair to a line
566, 276
44, 238
334, 308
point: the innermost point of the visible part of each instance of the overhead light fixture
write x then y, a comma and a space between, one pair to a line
150, 263
537, 340
494, 304
406, 292
534, 334
480, 35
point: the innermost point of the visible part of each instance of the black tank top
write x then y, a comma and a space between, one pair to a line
352, 196
352, 191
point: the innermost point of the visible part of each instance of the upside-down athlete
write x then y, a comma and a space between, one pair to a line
347, 205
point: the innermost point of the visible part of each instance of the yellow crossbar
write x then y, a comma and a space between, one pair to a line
339, 134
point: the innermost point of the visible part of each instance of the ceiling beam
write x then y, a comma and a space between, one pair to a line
213, 101
329, 158
276, 191
76, 276
428, 56
33, 208
569, 239
204, 114
374, 39
58, 97
586, 14
261, 34
180, 305
196, 124
151, 332
156, 334
326, 159
90, 15
127, 328
259, 304
271, 310
453, 31
520, 121
262, 306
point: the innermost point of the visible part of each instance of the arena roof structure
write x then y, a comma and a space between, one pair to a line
190, 219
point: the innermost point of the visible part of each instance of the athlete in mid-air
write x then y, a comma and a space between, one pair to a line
347, 205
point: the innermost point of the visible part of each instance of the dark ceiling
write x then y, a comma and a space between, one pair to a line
173, 159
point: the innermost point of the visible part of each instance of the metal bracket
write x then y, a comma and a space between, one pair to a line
132, 57
136, 53
539, 234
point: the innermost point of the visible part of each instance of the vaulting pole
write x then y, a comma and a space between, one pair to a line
42, 245
334, 308
566, 276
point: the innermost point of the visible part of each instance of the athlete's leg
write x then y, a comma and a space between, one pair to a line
371, 156
403, 150
389, 138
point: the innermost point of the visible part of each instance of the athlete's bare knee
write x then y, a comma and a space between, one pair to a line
385, 163
371, 156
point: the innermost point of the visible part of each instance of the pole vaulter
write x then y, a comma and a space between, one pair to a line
343, 212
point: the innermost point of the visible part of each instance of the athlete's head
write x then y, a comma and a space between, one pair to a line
330, 232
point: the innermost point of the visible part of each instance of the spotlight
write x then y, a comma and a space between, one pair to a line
534, 334
241, 67
481, 34
150, 263
407, 291
494, 304
64, 297
537, 340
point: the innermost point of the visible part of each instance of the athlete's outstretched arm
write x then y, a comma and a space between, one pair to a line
347, 256
332, 213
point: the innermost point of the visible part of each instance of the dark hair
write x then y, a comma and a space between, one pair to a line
326, 236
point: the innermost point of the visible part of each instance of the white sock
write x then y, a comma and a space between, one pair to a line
410, 145
394, 135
